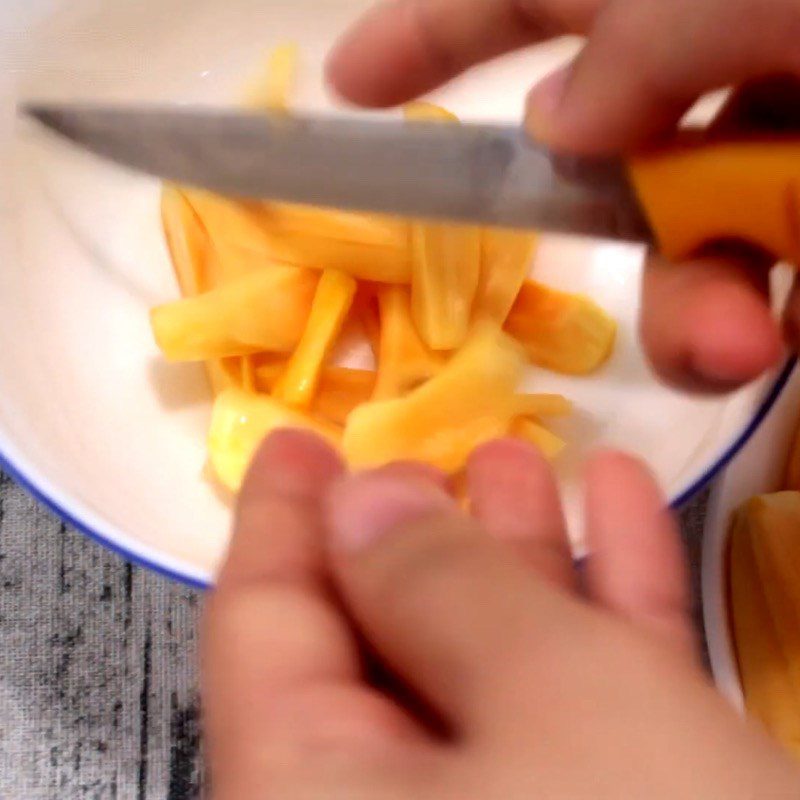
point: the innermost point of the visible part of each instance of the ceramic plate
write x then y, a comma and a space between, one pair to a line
91, 419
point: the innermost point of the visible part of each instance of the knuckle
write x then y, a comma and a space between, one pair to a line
424, 559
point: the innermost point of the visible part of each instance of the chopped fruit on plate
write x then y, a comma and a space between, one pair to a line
530, 431
239, 422
403, 360
297, 385
272, 88
505, 262
468, 402
339, 391
445, 270
248, 235
445, 266
560, 331
265, 310
273, 293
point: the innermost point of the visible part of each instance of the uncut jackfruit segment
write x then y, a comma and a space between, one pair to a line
297, 385
187, 241
422, 111
765, 610
442, 421
252, 234
196, 270
445, 269
265, 310
253, 222
564, 332
340, 389
536, 406
239, 422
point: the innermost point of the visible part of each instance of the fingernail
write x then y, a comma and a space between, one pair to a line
543, 102
363, 508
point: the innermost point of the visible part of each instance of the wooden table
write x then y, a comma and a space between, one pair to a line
98, 666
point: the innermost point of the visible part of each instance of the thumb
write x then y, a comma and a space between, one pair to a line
436, 597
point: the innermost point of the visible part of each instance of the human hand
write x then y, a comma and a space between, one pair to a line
706, 323
510, 677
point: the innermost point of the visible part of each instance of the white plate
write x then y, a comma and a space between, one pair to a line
760, 467
90, 418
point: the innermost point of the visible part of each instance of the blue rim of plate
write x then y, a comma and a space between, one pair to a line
27, 483
39, 494
741, 440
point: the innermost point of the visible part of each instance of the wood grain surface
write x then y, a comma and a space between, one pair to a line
98, 666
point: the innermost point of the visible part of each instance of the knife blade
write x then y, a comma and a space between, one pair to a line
489, 174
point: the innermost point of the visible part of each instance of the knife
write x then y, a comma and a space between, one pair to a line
678, 198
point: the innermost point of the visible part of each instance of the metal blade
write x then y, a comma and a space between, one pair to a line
488, 174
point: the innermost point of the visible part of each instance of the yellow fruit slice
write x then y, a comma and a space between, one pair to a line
445, 270
265, 310
564, 332
255, 235
298, 383
443, 420
339, 391
196, 270
505, 261
540, 405
239, 422
330, 223
547, 442
421, 111
403, 360
445, 265
272, 88
187, 242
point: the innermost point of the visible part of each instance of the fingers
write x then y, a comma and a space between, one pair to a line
404, 48
436, 597
643, 67
281, 667
706, 324
636, 566
514, 496
276, 530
